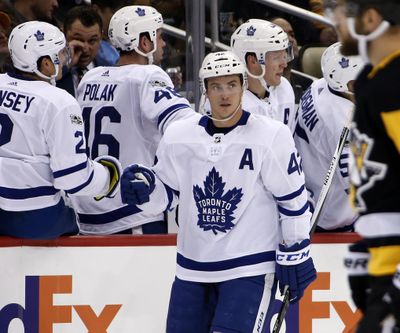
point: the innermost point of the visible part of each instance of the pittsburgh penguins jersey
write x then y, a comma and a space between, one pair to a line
126, 111
322, 115
42, 147
375, 146
240, 194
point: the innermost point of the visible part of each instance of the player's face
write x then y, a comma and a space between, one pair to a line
90, 37
275, 63
225, 95
159, 53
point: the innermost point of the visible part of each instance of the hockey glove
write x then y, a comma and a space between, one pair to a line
137, 183
115, 169
356, 263
295, 268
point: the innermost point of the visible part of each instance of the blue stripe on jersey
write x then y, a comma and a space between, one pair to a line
213, 266
289, 212
26, 193
78, 188
170, 195
111, 216
291, 195
301, 133
67, 171
171, 110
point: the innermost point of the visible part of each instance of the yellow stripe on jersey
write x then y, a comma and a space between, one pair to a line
391, 120
383, 63
383, 260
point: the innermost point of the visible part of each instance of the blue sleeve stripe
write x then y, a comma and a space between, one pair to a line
289, 212
114, 215
170, 195
67, 171
26, 193
78, 188
291, 195
168, 112
213, 266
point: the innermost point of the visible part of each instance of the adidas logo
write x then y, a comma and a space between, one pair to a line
106, 73
13, 83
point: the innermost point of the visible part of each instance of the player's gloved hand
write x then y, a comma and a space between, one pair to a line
295, 268
137, 183
115, 170
356, 263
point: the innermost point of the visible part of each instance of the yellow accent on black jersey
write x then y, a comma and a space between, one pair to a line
384, 260
391, 120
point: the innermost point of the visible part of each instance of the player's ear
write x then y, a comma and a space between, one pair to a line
371, 20
145, 44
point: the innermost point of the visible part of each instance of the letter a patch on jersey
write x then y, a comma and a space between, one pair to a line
216, 208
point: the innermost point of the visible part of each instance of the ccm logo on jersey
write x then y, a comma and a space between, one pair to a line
40, 314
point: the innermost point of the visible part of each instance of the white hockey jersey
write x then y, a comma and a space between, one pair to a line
234, 189
42, 147
322, 116
126, 111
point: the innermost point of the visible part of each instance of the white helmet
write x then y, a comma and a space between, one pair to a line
32, 40
129, 22
221, 64
339, 70
259, 37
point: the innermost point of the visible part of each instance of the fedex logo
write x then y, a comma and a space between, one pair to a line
39, 313
300, 316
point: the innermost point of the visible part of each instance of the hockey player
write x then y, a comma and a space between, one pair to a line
126, 110
243, 208
324, 110
371, 28
265, 49
42, 146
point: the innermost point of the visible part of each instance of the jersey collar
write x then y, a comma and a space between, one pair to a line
211, 129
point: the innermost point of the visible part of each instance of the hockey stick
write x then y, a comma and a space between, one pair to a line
317, 211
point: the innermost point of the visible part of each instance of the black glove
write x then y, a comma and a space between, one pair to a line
356, 263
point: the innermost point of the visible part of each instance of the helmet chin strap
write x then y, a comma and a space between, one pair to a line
148, 55
51, 78
364, 39
260, 77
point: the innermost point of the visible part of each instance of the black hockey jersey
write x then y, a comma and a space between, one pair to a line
375, 138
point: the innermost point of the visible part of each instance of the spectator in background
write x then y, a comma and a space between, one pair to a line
83, 29
5, 24
31, 10
299, 83
106, 10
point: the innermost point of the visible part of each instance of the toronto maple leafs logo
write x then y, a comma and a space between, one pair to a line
140, 12
251, 31
216, 208
344, 62
39, 36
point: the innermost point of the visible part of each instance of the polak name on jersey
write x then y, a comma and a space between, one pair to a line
216, 208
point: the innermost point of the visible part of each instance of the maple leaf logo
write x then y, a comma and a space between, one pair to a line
140, 12
251, 31
216, 208
344, 62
